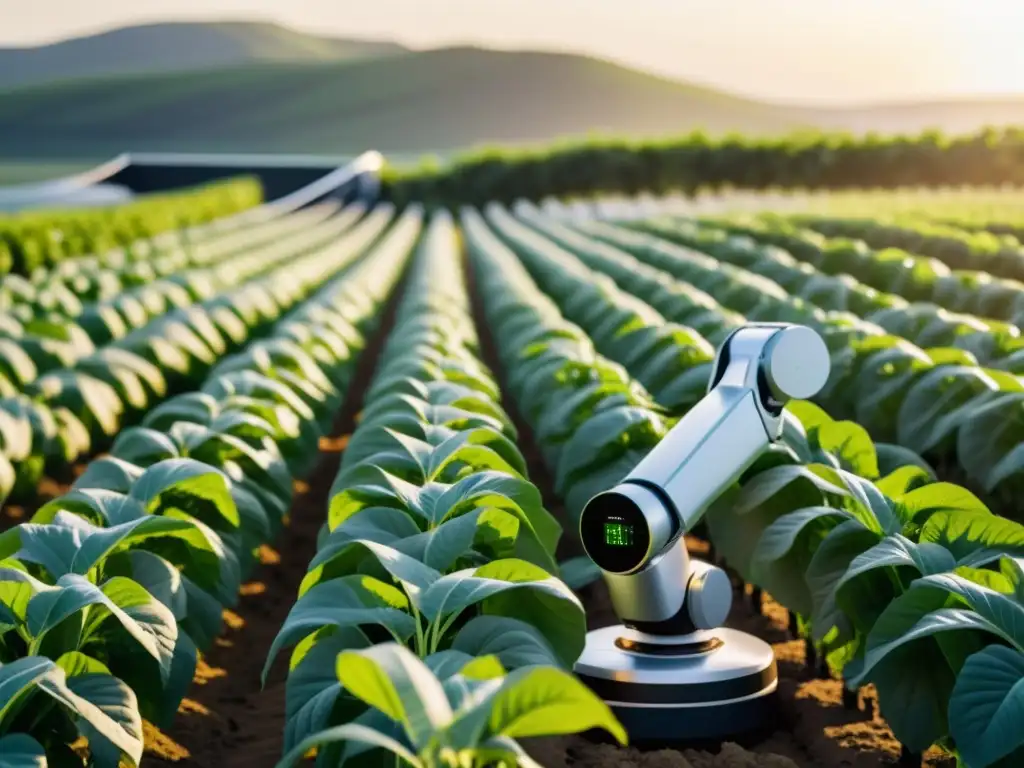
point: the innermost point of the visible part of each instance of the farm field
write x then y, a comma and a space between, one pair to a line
284, 478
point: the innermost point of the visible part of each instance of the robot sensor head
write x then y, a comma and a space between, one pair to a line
758, 369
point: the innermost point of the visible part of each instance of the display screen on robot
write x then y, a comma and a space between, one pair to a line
615, 533
618, 534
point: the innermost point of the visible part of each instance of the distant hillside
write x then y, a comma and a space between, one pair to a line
177, 46
413, 102
435, 99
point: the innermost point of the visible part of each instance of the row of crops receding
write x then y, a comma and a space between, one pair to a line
437, 622
698, 163
33, 239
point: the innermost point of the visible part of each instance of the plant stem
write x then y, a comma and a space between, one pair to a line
440, 630
421, 638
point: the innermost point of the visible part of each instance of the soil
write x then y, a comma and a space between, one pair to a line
229, 721
816, 731
47, 490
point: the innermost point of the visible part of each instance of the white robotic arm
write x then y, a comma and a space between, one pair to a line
634, 531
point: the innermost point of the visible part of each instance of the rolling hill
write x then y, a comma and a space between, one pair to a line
176, 47
263, 88
427, 100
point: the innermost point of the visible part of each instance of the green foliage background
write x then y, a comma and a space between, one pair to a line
696, 162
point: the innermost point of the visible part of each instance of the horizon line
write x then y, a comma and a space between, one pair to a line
817, 104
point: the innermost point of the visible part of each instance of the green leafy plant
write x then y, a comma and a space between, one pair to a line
45, 705
435, 539
42, 238
453, 709
120, 579
841, 530
940, 384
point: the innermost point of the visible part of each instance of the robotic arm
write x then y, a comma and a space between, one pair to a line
634, 531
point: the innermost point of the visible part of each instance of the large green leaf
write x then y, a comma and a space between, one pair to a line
147, 622
867, 575
515, 643
850, 444
189, 545
987, 706
15, 429
739, 517
987, 445
313, 690
479, 449
197, 407
19, 750
919, 644
515, 589
547, 701
935, 395
93, 682
351, 732
109, 473
144, 447
605, 436
71, 544
435, 503
94, 402
16, 364
973, 536
395, 681
21, 678
827, 566
189, 487
785, 550
350, 601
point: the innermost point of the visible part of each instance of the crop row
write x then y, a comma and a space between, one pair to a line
430, 623
894, 273
1001, 256
81, 401
996, 210
920, 400
906, 583
110, 593
51, 329
559, 380
821, 282
44, 238
69, 288
933, 399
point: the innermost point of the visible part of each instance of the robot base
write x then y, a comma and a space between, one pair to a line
712, 685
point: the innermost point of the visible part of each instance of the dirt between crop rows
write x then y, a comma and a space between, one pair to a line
229, 722
816, 730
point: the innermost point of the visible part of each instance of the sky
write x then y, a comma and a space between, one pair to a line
810, 51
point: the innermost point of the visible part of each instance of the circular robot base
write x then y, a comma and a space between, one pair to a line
712, 685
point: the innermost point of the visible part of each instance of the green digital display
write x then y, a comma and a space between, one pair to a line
618, 534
